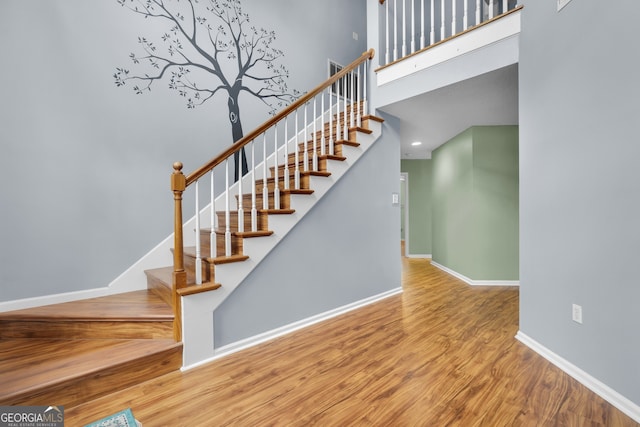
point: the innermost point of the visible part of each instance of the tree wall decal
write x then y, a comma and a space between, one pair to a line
208, 47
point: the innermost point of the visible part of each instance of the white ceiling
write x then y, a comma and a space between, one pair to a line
437, 116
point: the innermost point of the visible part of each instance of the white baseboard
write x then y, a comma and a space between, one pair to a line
476, 282
607, 393
52, 299
425, 256
283, 330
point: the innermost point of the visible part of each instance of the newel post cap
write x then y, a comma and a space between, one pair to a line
178, 180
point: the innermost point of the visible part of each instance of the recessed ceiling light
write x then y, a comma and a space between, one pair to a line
416, 143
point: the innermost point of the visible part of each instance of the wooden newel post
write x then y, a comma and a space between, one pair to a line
178, 185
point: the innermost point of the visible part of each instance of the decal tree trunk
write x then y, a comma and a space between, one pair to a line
236, 131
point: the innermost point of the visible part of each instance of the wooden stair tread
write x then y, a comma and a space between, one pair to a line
165, 275
278, 211
136, 305
283, 192
198, 289
251, 234
29, 365
302, 173
191, 251
348, 142
246, 234
374, 118
229, 259
317, 173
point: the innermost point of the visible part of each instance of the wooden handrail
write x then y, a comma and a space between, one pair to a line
201, 171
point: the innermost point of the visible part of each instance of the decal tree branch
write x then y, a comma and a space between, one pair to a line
208, 47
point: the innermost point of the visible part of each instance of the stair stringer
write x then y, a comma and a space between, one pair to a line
198, 309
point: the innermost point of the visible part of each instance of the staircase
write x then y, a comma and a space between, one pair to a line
70, 353
248, 248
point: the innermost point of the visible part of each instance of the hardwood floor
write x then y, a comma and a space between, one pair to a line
440, 354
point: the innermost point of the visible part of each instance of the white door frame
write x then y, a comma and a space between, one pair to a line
404, 177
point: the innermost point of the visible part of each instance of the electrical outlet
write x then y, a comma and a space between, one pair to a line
576, 313
355, 35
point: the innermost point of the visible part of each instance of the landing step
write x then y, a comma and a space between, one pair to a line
70, 372
138, 314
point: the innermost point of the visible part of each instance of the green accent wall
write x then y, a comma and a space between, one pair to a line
419, 204
475, 203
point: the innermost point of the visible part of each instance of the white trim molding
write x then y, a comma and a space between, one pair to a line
476, 282
598, 387
425, 256
292, 327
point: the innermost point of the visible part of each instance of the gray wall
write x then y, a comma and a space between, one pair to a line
580, 185
87, 164
345, 250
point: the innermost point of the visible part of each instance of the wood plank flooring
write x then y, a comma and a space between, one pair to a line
440, 354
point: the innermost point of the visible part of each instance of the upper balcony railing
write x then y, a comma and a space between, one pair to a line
408, 26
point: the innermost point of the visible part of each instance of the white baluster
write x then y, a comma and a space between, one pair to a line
214, 220
198, 246
491, 14
345, 131
395, 30
442, 20
254, 210
240, 199
387, 51
323, 150
352, 113
422, 24
227, 211
296, 174
465, 18
404, 29
276, 188
287, 175
305, 154
338, 128
357, 85
454, 30
432, 32
478, 11
331, 140
365, 109
413, 26
313, 137
505, 6
265, 187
